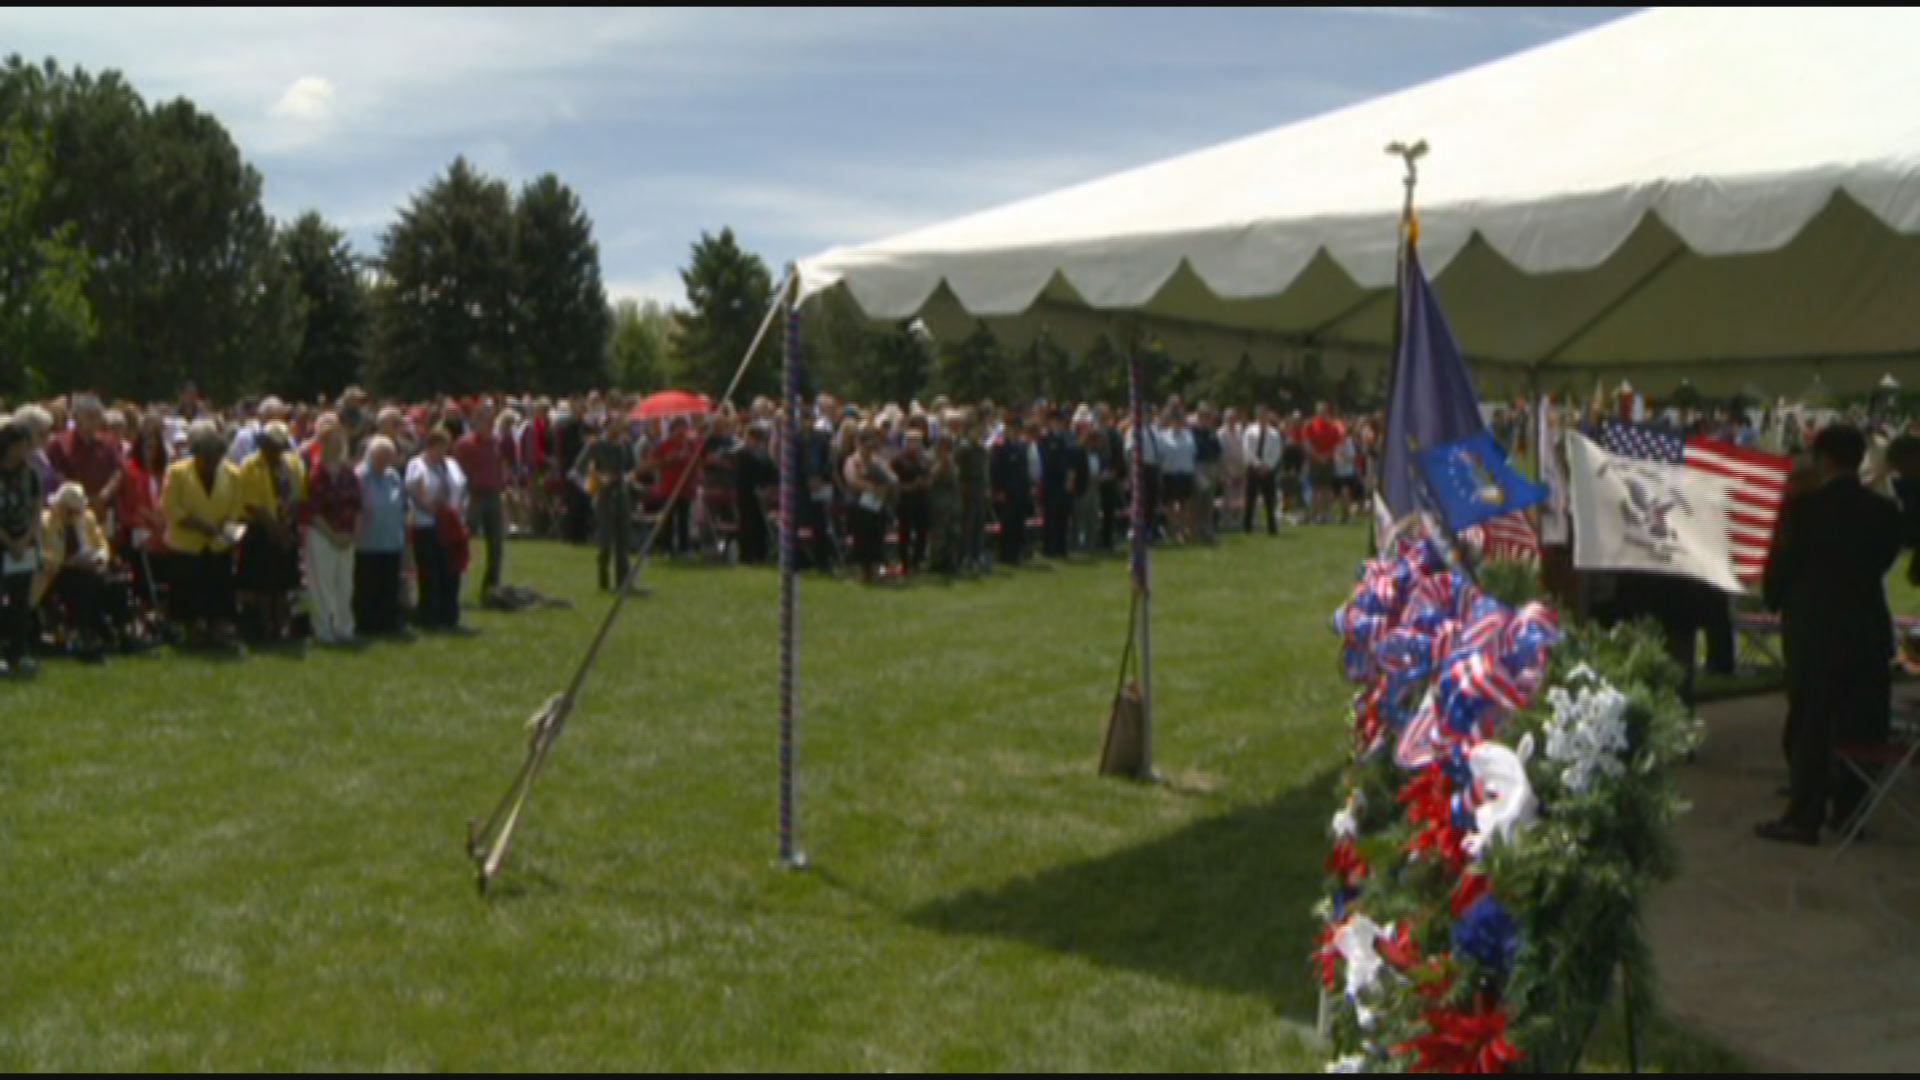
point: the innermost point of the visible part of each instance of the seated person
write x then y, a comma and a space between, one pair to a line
73, 567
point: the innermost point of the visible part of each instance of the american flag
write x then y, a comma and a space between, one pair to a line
1508, 537
1756, 484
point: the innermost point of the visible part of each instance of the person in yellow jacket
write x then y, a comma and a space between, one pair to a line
74, 558
272, 486
202, 503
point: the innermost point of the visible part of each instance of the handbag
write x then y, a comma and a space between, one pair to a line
453, 537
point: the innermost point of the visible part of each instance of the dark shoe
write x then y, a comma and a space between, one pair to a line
1782, 832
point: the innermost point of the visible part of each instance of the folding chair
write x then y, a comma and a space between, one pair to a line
1894, 759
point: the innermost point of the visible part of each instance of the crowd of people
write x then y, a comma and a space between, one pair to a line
128, 526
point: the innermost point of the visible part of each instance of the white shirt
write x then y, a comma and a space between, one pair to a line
1233, 449
243, 442
1268, 456
1179, 450
420, 474
1152, 450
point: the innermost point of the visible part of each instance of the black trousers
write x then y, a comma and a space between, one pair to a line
1262, 486
1827, 706
439, 585
1055, 516
679, 525
816, 519
200, 587
376, 592
1111, 505
19, 624
869, 537
84, 595
753, 530
1013, 531
916, 530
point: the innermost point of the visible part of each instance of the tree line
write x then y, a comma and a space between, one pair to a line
136, 256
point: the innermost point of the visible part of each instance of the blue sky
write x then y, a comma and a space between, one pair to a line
801, 128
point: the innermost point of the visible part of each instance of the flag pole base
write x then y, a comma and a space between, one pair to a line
794, 863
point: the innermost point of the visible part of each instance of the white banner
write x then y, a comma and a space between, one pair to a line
1635, 514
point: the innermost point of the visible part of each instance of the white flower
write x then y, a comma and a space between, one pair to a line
1588, 732
1345, 827
1352, 1063
1355, 942
1509, 807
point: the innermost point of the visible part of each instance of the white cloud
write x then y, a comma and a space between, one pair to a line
665, 289
309, 98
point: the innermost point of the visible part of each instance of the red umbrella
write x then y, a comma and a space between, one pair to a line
671, 403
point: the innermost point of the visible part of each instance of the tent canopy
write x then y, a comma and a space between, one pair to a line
1732, 196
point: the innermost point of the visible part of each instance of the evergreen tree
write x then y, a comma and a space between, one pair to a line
334, 318
561, 323
445, 318
728, 290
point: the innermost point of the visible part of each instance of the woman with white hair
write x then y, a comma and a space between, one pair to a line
73, 568
333, 498
38, 424
381, 549
202, 501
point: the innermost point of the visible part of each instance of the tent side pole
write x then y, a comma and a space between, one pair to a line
790, 482
1142, 548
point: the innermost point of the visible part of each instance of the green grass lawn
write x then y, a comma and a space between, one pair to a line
260, 864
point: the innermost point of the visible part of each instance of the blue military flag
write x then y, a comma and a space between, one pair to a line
1433, 401
1469, 482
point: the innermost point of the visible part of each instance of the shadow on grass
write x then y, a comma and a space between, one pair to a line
1224, 903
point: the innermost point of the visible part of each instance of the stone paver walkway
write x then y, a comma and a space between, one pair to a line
1795, 960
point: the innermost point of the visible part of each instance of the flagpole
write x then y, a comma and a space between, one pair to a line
1410, 156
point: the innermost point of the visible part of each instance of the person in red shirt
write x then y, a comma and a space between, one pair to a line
479, 456
1322, 436
90, 456
676, 455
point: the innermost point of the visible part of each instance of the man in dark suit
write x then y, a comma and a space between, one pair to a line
1063, 466
1827, 578
1010, 473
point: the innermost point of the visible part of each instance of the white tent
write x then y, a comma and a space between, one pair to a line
1729, 195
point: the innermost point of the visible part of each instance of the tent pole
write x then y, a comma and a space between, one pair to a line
1142, 547
790, 856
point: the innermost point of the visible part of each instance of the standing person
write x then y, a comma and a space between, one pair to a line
272, 487
1178, 463
1233, 465
574, 505
478, 454
437, 494
1346, 476
1060, 465
1322, 436
976, 493
1293, 470
912, 472
38, 425
944, 503
610, 462
1207, 471
754, 474
141, 519
676, 457
871, 484
1264, 442
1086, 506
380, 550
202, 499
1012, 490
20, 524
334, 508
90, 455
1152, 450
1826, 575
